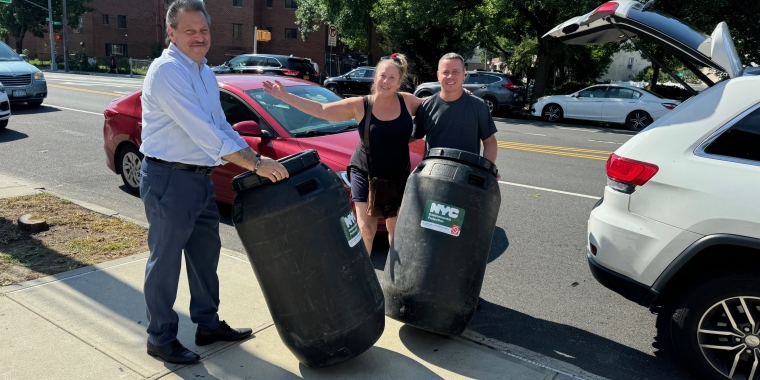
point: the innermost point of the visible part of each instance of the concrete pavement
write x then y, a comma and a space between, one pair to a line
90, 323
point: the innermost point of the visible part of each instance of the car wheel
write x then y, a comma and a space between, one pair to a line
715, 327
493, 104
638, 120
333, 88
130, 161
552, 113
3, 123
35, 103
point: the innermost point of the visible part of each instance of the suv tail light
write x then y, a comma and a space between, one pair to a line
291, 72
669, 106
606, 8
625, 175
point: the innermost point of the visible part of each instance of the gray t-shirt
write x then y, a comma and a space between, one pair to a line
460, 124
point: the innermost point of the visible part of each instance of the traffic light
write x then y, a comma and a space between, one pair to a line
57, 37
263, 35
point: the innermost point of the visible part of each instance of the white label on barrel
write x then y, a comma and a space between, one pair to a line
442, 218
351, 229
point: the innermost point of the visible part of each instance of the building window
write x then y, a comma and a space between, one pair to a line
291, 4
122, 22
269, 3
630, 63
116, 49
78, 29
105, 19
237, 3
237, 30
291, 33
269, 29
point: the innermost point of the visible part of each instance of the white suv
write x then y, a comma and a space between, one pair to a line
679, 224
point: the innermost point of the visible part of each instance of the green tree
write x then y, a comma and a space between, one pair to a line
20, 17
352, 18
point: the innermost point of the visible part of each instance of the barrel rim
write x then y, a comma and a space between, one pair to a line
295, 163
464, 157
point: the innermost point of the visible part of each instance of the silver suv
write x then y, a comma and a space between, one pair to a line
23, 82
501, 92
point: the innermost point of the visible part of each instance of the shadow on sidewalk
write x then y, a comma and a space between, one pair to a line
588, 351
8, 135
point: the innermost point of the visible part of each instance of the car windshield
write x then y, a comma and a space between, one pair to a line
7, 54
296, 122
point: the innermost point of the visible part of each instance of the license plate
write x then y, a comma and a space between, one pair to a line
306, 77
18, 93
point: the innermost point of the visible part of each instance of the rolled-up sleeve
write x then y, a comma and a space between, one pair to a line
171, 91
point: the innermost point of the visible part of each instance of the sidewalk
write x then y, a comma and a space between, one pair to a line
89, 323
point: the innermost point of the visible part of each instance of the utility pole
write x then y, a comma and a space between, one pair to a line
255, 38
53, 65
65, 24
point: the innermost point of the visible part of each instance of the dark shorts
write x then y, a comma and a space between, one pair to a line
359, 187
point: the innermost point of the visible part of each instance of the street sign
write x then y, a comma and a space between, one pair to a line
263, 35
5, 1
332, 36
57, 23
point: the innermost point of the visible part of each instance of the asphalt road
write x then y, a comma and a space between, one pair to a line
538, 292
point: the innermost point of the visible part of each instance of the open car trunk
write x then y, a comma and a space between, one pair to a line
621, 19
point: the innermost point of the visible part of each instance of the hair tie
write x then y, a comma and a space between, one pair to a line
395, 58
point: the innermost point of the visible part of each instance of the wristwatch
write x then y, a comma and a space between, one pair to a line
258, 162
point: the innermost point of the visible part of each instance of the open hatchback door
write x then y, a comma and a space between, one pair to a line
621, 19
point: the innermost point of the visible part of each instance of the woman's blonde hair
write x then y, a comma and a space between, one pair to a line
396, 59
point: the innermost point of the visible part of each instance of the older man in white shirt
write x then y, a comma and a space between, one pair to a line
185, 135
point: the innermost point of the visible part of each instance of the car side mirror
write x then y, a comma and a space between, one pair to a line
249, 128
348, 76
22, 56
575, 96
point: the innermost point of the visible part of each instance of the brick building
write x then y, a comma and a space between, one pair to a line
138, 29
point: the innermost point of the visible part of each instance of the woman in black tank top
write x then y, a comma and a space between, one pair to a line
389, 134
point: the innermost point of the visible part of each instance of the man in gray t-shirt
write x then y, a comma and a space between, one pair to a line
454, 119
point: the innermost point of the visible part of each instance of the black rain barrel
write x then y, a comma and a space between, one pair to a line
438, 257
305, 248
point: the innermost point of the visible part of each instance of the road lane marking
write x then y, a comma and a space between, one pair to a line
534, 134
83, 90
606, 142
580, 129
549, 190
590, 154
72, 109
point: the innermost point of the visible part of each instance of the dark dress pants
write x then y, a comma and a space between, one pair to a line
182, 214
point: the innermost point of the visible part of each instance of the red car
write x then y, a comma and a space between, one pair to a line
268, 125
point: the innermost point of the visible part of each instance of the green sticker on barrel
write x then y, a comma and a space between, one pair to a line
443, 218
351, 229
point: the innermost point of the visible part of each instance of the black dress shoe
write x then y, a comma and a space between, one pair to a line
173, 352
223, 333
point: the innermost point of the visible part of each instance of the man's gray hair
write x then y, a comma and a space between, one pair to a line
187, 6
451, 56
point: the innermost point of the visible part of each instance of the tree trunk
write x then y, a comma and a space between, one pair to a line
545, 63
655, 77
20, 39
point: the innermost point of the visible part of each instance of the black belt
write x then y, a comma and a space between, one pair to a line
206, 170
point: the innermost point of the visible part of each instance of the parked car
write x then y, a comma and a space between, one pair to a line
678, 228
268, 125
5, 107
269, 64
634, 107
501, 92
23, 82
358, 82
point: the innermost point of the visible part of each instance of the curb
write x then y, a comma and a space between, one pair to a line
135, 76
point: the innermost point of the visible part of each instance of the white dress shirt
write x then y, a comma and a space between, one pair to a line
182, 116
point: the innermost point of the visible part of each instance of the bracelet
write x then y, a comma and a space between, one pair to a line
258, 162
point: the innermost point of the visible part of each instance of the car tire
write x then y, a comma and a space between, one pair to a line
3, 123
493, 105
34, 103
552, 113
333, 88
717, 305
130, 161
638, 120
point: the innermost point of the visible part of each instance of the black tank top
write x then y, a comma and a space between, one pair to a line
389, 145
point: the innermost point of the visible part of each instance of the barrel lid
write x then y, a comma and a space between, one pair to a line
463, 157
295, 163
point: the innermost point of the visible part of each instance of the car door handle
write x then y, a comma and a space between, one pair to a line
483, 86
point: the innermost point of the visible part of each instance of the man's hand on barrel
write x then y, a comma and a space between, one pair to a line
272, 169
